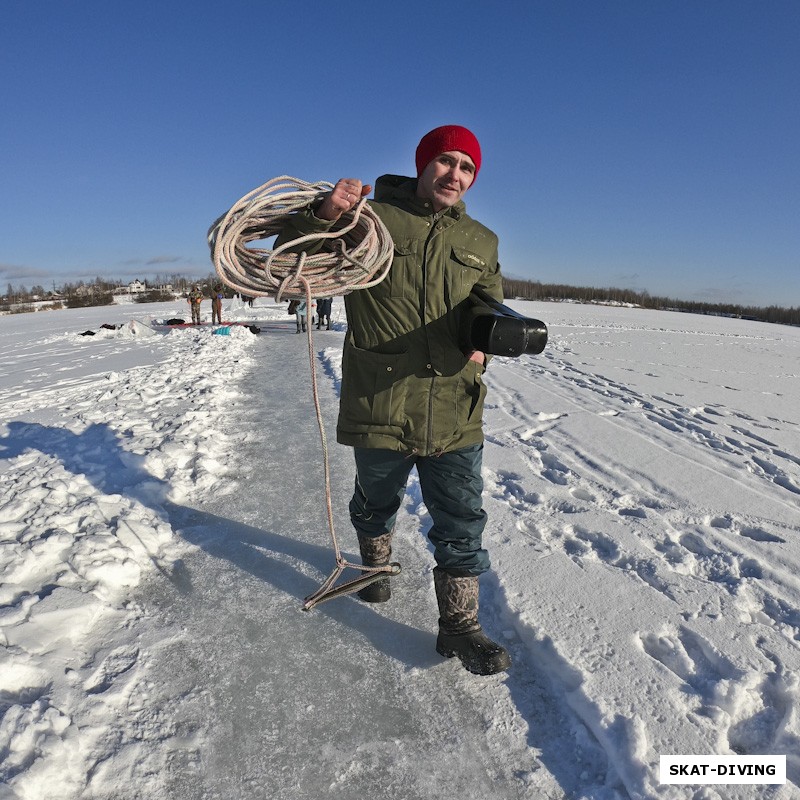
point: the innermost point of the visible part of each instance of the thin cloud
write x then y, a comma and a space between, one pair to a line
162, 260
14, 272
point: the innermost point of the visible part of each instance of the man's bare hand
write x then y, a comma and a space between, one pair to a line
344, 197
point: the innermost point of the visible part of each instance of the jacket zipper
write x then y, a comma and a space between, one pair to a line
435, 217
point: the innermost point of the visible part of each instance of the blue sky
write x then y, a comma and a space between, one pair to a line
645, 145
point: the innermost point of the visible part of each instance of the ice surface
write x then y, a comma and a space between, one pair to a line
162, 518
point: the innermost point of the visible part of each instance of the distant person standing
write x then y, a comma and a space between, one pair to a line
301, 315
216, 304
324, 305
194, 298
298, 309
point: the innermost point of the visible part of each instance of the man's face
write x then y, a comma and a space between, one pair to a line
446, 178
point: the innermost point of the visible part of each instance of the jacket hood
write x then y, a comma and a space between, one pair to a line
394, 187
399, 189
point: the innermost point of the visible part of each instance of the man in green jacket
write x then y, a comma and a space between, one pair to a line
412, 390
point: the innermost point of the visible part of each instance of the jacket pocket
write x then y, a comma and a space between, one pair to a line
373, 387
466, 269
472, 389
400, 275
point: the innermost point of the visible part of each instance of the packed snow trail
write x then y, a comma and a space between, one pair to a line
348, 699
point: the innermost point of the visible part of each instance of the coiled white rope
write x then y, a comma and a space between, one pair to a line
355, 254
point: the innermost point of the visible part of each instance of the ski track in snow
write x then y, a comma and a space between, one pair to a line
643, 529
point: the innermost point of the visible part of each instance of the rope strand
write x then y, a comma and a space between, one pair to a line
355, 254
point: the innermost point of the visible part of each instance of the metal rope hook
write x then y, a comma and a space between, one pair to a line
337, 270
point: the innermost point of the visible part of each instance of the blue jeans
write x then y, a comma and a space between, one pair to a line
451, 486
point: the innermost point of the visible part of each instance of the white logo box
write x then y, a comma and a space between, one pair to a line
723, 769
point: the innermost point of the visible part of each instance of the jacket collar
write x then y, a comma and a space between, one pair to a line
398, 190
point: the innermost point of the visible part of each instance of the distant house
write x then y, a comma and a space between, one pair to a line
137, 286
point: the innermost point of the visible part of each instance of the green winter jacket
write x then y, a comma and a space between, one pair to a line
407, 384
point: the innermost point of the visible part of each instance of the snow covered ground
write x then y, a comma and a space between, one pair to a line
162, 518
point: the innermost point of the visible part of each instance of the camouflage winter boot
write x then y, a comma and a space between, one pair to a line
376, 552
460, 633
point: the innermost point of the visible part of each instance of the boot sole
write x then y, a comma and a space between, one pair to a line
500, 663
378, 592
375, 594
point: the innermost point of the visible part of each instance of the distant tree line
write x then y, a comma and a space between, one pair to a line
534, 290
101, 292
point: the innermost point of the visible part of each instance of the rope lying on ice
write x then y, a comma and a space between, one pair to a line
328, 590
355, 254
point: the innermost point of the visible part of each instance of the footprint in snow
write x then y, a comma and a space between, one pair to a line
118, 662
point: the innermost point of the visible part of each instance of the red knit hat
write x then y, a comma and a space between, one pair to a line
445, 138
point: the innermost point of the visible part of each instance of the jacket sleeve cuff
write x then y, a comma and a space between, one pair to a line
307, 221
